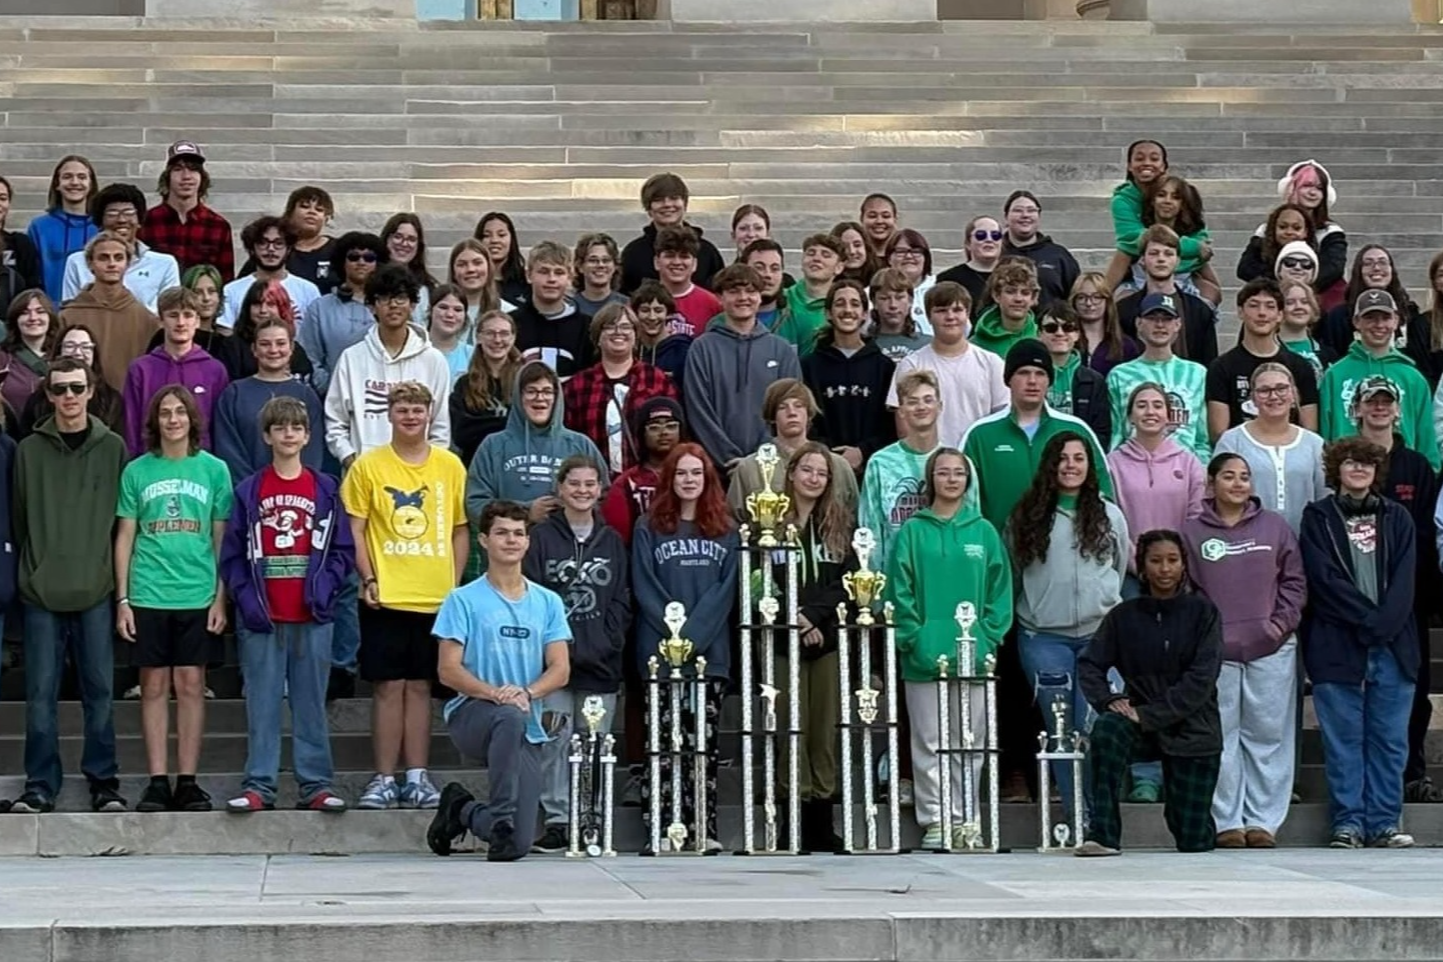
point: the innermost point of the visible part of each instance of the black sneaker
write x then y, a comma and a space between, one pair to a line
31, 803
1346, 838
190, 797
503, 844
106, 799
157, 796
446, 825
1422, 790
552, 840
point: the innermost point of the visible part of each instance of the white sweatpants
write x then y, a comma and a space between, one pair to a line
1257, 701
926, 778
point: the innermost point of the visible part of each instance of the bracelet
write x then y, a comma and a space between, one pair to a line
367, 581
123, 601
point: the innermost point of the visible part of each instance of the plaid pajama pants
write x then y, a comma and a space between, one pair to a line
1114, 744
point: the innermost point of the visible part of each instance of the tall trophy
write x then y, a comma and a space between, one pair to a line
593, 784
1065, 748
966, 686
682, 689
864, 587
763, 616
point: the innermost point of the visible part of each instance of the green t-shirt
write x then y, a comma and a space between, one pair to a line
174, 503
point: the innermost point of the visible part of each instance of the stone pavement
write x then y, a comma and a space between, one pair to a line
1285, 904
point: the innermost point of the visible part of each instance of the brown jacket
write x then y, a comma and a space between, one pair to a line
122, 326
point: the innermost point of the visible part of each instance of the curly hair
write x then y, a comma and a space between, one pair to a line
713, 517
1352, 449
1032, 519
1271, 247
833, 521
1189, 219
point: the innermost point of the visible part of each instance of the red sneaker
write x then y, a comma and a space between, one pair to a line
324, 801
248, 801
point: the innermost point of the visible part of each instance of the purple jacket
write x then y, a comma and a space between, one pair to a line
333, 554
197, 370
1253, 573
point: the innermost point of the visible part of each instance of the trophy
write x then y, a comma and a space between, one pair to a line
593, 784
967, 687
674, 652
1059, 747
864, 585
768, 507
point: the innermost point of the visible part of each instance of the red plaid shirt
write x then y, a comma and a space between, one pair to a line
588, 393
204, 237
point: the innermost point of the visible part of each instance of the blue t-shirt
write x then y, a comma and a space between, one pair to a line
503, 641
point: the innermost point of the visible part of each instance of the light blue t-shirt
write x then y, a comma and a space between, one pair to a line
504, 641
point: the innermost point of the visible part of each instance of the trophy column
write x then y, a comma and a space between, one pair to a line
679, 689
1065, 748
593, 779
961, 748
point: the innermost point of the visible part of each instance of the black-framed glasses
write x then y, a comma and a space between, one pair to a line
987, 235
1053, 327
76, 388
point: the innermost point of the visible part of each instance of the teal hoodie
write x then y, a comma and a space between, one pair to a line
1417, 420
1128, 227
936, 565
989, 333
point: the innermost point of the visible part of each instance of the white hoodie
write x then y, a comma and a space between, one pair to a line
149, 273
356, 410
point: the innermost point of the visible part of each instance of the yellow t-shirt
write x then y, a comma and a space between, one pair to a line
411, 511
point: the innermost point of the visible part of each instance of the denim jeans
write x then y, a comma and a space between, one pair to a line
346, 629
92, 633
1365, 745
556, 754
1050, 662
293, 662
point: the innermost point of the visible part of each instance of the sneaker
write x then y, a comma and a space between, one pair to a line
1260, 838
713, 846
107, 799
1145, 793
323, 801
380, 794
420, 794
552, 840
209, 692
1345, 838
31, 803
1091, 849
503, 847
157, 796
1391, 838
1232, 838
132, 693
190, 797
1422, 790
959, 839
248, 801
932, 837
447, 826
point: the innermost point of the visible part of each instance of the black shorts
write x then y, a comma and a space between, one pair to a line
396, 645
166, 638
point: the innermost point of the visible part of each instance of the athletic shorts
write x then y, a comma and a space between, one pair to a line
173, 638
396, 645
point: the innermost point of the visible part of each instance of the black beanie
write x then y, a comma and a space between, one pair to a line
1028, 352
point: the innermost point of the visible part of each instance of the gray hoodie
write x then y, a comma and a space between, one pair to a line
1067, 594
331, 325
727, 376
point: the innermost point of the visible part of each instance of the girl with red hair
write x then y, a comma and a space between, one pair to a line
685, 549
265, 303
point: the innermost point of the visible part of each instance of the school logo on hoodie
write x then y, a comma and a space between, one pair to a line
1216, 549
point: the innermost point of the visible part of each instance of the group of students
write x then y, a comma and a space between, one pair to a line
591, 415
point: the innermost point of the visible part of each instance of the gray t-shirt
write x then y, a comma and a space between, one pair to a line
1363, 545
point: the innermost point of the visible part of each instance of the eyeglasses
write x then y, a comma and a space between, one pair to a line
120, 213
1052, 327
598, 262
907, 253
620, 327
1277, 390
76, 388
272, 243
1296, 263
986, 235
403, 240
539, 394
76, 348
1353, 463
496, 335
394, 300
363, 257
1089, 299
1377, 262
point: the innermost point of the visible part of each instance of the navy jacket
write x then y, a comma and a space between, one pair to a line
333, 554
1341, 624
9, 550
1090, 401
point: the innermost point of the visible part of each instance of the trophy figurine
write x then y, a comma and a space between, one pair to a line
867, 705
676, 836
864, 586
1064, 749
769, 695
767, 507
676, 650
592, 771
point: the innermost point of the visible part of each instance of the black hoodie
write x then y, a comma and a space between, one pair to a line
852, 393
819, 590
592, 579
562, 343
638, 260
1057, 269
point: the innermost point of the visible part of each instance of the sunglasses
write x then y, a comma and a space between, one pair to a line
1297, 263
74, 387
986, 235
363, 257
1052, 327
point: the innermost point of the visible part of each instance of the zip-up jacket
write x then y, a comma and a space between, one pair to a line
1067, 593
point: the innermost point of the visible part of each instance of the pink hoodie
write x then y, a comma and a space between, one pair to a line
1156, 489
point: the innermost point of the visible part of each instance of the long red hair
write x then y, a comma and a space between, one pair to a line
713, 517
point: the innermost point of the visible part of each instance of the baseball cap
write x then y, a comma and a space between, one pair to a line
1370, 301
183, 149
1163, 303
1371, 387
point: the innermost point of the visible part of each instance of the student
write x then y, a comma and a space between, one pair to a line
750, 222
481, 398
659, 425
266, 301
1300, 322
1144, 164
1057, 269
308, 210
676, 258
1374, 270
67, 483
664, 198
729, 369
240, 441
969, 378
105, 304
17, 251
341, 319
407, 509
497, 239
850, 378
1286, 224
268, 240
597, 273
893, 327
576, 555
1375, 318
65, 227
1245, 559
1076, 388
1012, 289
789, 409
661, 339
685, 550
1360, 644
116, 211
1197, 340
1183, 380
892, 484
601, 400
1229, 379
504, 647
879, 219
472, 272
176, 362
768, 259
944, 555
823, 260
549, 326
1167, 647
859, 264
403, 241
1309, 185
982, 245
391, 353
1176, 204
171, 605
105, 403
1103, 345
909, 253
204, 282
181, 225
448, 329
32, 328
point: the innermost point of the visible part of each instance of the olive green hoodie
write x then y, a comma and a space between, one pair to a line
990, 333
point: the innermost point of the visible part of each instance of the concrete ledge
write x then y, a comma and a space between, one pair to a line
1368, 12
280, 9
797, 11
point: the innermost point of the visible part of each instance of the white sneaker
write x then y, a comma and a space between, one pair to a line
421, 793
132, 693
932, 837
380, 794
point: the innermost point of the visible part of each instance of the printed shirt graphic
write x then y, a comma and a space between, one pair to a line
288, 511
1363, 533
174, 503
410, 511
504, 641
1185, 384
577, 581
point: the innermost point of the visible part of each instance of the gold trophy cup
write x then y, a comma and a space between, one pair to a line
767, 507
676, 650
864, 586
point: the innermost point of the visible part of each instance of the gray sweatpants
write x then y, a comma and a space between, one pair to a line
496, 734
927, 739
1256, 702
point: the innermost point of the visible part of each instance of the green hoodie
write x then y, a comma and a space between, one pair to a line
802, 318
937, 564
1415, 403
1128, 228
64, 516
989, 332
